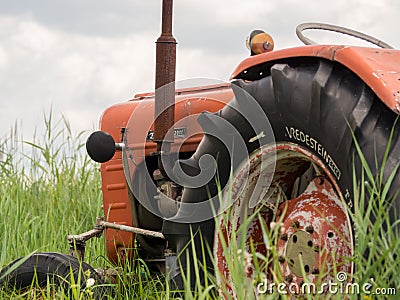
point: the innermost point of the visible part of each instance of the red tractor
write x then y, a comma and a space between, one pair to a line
282, 139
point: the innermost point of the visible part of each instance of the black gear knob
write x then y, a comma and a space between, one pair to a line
100, 146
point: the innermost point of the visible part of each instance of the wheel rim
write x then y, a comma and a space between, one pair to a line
314, 223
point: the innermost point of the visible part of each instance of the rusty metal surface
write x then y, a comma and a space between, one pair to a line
132, 229
164, 108
327, 248
77, 242
314, 222
378, 68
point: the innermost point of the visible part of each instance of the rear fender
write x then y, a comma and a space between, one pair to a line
378, 68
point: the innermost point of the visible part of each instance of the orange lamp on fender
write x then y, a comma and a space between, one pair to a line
259, 42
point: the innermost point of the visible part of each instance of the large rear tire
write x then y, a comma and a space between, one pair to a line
314, 107
317, 112
318, 106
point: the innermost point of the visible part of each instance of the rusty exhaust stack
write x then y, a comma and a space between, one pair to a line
164, 107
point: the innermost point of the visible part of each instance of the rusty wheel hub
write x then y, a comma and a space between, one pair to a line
315, 234
315, 238
300, 253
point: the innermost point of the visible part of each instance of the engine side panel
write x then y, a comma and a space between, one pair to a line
115, 120
116, 204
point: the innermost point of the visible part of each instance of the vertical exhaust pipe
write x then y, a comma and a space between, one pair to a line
177, 234
164, 107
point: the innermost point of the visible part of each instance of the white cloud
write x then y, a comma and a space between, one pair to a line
81, 72
228, 13
73, 73
194, 62
3, 59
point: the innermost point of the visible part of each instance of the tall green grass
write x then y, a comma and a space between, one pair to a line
49, 188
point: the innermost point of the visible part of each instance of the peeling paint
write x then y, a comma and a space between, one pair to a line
375, 75
318, 206
257, 137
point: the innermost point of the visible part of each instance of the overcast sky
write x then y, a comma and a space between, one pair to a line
81, 56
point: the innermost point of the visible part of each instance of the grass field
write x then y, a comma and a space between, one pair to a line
50, 188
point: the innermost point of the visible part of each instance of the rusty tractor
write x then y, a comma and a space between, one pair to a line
282, 139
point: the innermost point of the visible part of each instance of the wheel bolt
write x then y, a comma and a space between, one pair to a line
289, 278
315, 271
281, 259
310, 229
317, 248
284, 237
296, 224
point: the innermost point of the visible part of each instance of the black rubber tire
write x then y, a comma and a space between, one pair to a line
320, 99
328, 102
52, 267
